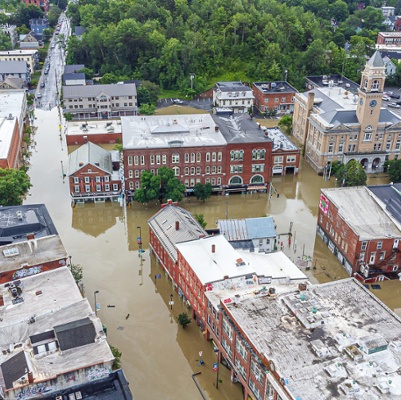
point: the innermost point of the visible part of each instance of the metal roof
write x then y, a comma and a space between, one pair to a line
74, 76
163, 224
390, 195
84, 91
247, 229
91, 154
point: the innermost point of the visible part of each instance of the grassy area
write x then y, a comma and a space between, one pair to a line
170, 94
174, 110
229, 77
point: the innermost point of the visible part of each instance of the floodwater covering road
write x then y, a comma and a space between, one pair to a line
159, 357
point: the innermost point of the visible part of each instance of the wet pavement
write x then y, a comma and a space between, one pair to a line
159, 357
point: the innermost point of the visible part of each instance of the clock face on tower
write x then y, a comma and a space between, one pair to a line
373, 103
361, 101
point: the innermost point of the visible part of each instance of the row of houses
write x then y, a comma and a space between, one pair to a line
53, 344
233, 154
281, 336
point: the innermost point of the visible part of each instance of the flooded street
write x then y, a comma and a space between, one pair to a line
159, 357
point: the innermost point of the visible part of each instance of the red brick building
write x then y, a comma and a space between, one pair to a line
10, 145
42, 4
94, 174
232, 154
389, 38
360, 232
274, 96
97, 132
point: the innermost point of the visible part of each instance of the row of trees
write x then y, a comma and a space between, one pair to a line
164, 41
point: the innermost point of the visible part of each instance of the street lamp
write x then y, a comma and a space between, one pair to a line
70, 257
192, 76
285, 72
95, 293
140, 235
171, 301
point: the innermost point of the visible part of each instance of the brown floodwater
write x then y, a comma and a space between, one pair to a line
159, 357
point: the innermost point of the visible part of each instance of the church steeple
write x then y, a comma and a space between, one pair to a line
370, 92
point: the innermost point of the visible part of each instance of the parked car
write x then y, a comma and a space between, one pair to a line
394, 105
42, 85
39, 95
386, 98
395, 96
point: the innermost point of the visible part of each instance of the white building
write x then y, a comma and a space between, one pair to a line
233, 95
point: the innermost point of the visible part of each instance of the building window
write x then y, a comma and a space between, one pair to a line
331, 147
130, 173
76, 189
258, 167
198, 170
136, 185
86, 179
379, 245
258, 154
241, 349
164, 159
129, 160
236, 155
234, 169
219, 169
136, 160
214, 156
364, 245
227, 329
152, 159
186, 171
192, 170
106, 178
198, 157
158, 159
176, 171
207, 170
219, 181
219, 156
137, 173
351, 147
192, 157
213, 169
341, 147
76, 180
175, 158
87, 188
235, 180
291, 159
367, 137
278, 159
382, 255
207, 157
186, 157
142, 160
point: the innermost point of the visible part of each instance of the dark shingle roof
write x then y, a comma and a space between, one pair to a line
14, 368
74, 76
391, 196
75, 334
376, 60
70, 69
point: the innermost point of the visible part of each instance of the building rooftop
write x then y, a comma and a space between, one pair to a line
18, 52
274, 87
164, 131
164, 226
7, 126
390, 34
335, 340
84, 91
335, 80
90, 154
232, 86
70, 69
93, 127
31, 253
12, 102
247, 229
16, 222
240, 128
226, 262
390, 195
39, 310
15, 67
74, 76
362, 213
280, 140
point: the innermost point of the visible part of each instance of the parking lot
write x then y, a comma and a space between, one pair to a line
395, 92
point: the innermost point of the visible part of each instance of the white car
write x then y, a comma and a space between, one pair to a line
394, 105
386, 98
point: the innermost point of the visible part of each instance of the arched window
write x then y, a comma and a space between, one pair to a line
235, 180
219, 156
198, 157
186, 157
207, 157
369, 128
192, 170
186, 171
192, 157
375, 85
176, 171
175, 158
236, 155
198, 170
257, 179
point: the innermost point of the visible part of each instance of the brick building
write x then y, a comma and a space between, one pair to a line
359, 229
232, 154
94, 174
389, 39
42, 4
274, 96
10, 143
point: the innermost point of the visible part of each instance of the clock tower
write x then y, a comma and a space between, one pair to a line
370, 93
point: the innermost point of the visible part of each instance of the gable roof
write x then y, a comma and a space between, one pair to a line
75, 334
14, 67
74, 76
92, 154
12, 82
390, 195
70, 69
115, 89
163, 224
247, 229
14, 368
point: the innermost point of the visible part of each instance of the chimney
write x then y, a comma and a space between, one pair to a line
30, 377
177, 225
169, 201
216, 128
30, 236
213, 248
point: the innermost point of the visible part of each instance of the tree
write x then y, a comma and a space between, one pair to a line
164, 185
285, 124
147, 109
201, 220
14, 185
148, 92
184, 320
351, 174
77, 272
5, 42
117, 357
394, 170
68, 116
203, 191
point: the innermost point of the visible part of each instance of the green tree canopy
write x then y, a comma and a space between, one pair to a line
165, 185
201, 220
394, 170
203, 191
285, 124
14, 185
184, 320
351, 174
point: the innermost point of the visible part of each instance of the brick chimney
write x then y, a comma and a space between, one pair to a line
30, 236
213, 248
177, 225
169, 201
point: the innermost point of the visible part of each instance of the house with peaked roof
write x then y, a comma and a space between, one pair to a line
390, 66
94, 174
253, 234
15, 69
28, 42
100, 101
343, 122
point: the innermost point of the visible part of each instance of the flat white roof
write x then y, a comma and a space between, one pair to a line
6, 135
93, 127
165, 131
356, 205
17, 52
227, 262
11, 102
338, 94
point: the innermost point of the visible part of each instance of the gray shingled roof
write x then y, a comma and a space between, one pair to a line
163, 224
14, 368
70, 69
116, 89
391, 196
15, 67
74, 76
75, 334
376, 60
92, 154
